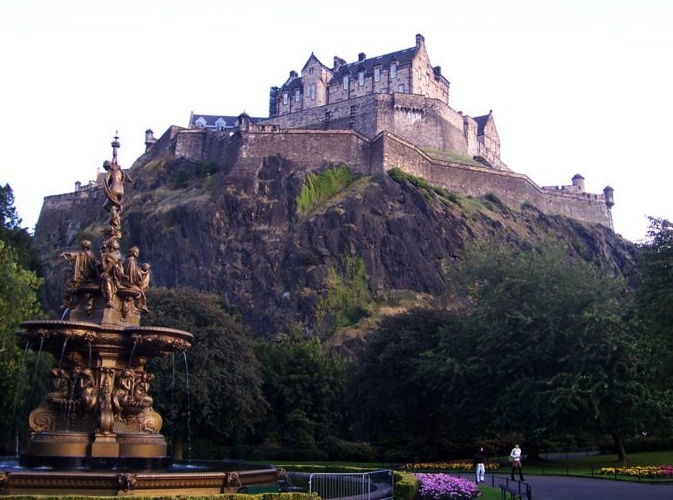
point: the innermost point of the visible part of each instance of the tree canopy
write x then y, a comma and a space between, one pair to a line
543, 346
216, 396
19, 301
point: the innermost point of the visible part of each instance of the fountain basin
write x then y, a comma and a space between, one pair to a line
181, 479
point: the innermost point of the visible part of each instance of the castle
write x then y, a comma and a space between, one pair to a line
375, 114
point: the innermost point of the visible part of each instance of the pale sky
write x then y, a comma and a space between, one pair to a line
575, 86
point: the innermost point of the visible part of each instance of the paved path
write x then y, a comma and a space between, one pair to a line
576, 488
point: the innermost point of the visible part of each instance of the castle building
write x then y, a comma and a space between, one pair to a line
374, 114
216, 122
400, 92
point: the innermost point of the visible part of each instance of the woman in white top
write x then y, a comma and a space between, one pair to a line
515, 457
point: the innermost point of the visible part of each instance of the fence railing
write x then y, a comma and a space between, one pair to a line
376, 485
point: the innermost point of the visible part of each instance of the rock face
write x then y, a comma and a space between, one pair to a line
238, 232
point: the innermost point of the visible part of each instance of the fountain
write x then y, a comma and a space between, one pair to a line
96, 432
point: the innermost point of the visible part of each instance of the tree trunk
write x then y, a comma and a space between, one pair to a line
619, 446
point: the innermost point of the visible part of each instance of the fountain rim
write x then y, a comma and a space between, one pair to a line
96, 327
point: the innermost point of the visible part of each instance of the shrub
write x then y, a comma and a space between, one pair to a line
406, 486
322, 186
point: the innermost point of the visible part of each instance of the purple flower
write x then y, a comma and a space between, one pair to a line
445, 487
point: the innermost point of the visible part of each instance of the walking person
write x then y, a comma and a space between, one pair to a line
515, 457
480, 464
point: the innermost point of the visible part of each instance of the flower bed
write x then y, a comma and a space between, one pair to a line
445, 487
455, 465
654, 471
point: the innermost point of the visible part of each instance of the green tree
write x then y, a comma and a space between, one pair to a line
304, 385
655, 293
400, 405
214, 392
19, 301
553, 352
13, 234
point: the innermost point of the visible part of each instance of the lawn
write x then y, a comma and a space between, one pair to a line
591, 464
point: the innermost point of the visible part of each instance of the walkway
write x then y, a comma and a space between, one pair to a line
577, 488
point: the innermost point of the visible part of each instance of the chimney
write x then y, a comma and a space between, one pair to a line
361, 57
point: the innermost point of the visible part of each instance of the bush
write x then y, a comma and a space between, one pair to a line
348, 451
406, 486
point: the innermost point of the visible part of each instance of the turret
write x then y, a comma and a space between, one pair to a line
244, 122
149, 139
578, 182
609, 195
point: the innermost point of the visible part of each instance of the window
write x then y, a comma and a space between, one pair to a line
345, 81
310, 70
377, 74
311, 91
361, 78
400, 88
285, 98
393, 70
201, 122
220, 124
297, 95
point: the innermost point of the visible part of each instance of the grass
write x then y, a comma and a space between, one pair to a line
590, 465
579, 466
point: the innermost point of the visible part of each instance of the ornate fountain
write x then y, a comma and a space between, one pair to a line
96, 431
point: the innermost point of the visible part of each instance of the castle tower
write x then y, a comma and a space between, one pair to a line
578, 182
609, 195
149, 139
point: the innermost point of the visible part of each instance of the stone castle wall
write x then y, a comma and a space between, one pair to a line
314, 149
512, 188
418, 119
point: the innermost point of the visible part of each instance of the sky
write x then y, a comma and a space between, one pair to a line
575, 86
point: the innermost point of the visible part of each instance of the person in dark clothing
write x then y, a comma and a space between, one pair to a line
480, 464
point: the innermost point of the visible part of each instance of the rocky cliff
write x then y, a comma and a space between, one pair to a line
236, 230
